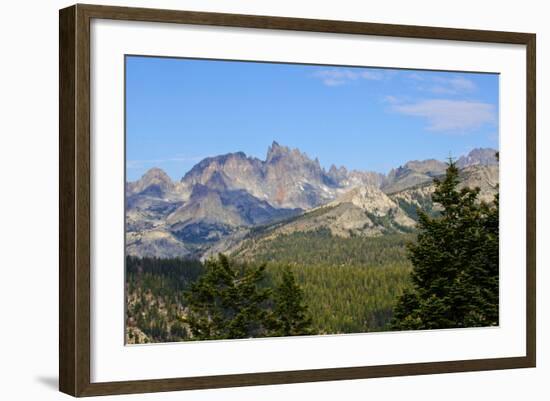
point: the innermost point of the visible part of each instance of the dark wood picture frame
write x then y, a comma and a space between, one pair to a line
74, 199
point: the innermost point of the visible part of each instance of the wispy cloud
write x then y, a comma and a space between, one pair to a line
391, 99
452, 116
339, 76
138, 164
454, 85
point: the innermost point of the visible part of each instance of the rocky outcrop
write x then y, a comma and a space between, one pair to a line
478, 157
485, 178
413, 173
226, 198
159, 242
287, 178
362, 211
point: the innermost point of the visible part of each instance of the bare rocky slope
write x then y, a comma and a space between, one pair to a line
225, 199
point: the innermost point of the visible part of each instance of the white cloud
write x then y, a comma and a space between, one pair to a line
451, 86
440, 85
337, 77
450, 115
462, 84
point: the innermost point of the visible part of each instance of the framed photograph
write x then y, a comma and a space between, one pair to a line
250, 200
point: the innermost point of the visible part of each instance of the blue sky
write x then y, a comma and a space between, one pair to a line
179, 111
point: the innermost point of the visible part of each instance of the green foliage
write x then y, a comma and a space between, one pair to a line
304, 298
348, 298
290, 313
388, 222
411, 209
350, 285
320, 248
228, 301
455, 262
174, 300
155, 303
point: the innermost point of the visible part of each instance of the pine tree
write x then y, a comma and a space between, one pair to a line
290, 312
455, 262
228, 301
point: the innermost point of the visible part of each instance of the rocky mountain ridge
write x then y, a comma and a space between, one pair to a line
287, 178
223, 199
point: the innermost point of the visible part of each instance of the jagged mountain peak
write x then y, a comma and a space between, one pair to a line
478, 156
154, 182
156, 174
275, 151
338, 174
222, 197
215, 162
412, 173
337, 170
275, 146
428, 166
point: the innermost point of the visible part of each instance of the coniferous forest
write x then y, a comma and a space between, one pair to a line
444, 274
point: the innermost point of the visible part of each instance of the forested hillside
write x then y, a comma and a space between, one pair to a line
155, 298
349, 285
319, 247
356, 265
350, 298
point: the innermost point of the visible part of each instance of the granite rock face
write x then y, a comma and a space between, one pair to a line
222, 199
478, 157
287, 178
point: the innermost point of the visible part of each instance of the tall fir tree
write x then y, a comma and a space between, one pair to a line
228, 301
455, 262
290, 312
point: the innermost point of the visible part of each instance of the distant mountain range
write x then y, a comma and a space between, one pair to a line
224, 201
